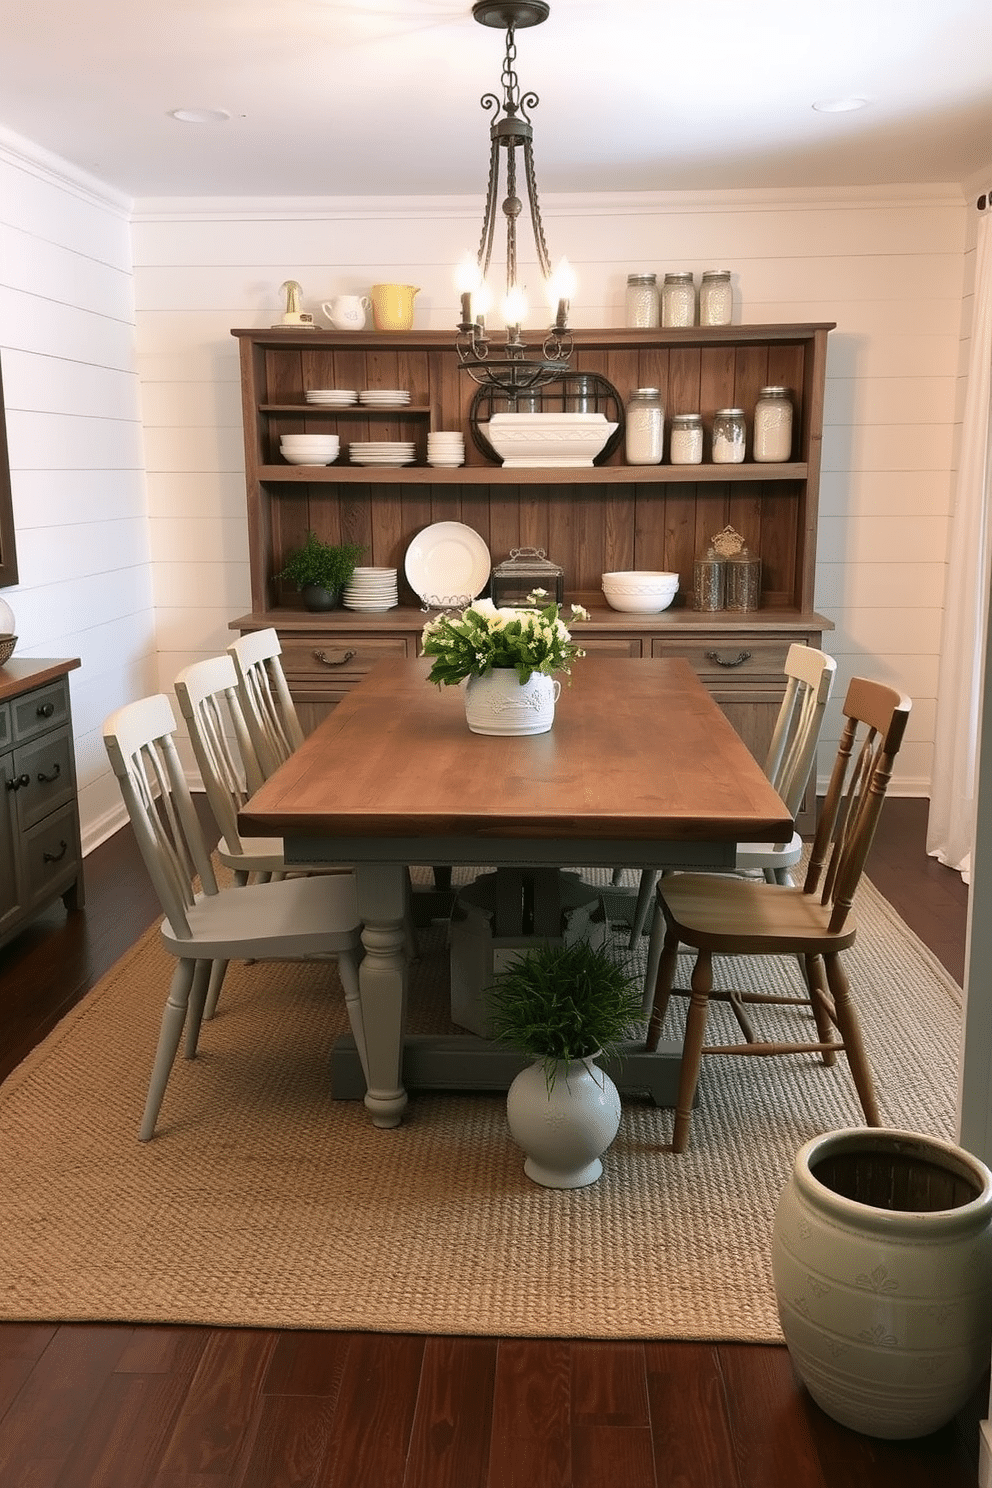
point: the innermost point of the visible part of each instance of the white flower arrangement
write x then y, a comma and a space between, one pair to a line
483, 637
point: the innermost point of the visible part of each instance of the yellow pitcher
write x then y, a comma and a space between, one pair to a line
392, 306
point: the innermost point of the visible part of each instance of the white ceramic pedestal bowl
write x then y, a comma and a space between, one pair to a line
528, 441
642, 592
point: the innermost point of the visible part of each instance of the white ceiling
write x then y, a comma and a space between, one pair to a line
381, 97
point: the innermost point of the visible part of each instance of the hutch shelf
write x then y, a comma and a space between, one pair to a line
590, 521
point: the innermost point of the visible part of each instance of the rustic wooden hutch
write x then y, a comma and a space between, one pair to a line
610, 516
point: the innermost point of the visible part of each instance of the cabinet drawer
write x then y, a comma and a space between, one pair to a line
728, 660
336, 658
51, 856
6, 724
45, 708
47, 767
608, 645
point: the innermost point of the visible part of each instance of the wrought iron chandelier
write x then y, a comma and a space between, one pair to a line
508, 365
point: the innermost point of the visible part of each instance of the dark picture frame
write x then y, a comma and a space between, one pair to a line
8, 543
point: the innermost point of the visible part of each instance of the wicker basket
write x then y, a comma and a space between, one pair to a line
7, 644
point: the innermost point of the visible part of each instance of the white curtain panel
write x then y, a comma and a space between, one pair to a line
959, 698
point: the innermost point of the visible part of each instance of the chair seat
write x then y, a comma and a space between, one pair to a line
749, 918
288, 920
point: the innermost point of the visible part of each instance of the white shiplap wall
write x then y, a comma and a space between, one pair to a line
76, 449
887, 266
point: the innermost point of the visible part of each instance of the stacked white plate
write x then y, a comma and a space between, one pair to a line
332, 397
371, 589
310, 449
384, 397
382, 451
445, 447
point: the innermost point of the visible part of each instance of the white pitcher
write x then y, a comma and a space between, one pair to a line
347, 312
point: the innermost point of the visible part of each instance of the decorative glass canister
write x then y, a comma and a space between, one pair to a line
526, 569
729, 436
678, 300
708, 581
772, 436
644, 427
641, 302
716, 298
686, 446
743, 581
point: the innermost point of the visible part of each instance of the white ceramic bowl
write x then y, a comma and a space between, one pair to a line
640, 604
640, 581
316, 457
527, 441
310, 441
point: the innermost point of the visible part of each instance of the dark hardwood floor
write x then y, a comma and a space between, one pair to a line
110, 1406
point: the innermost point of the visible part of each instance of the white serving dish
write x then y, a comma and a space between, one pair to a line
529, 441
640, 604
316, 457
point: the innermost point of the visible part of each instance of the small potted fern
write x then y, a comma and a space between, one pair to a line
564, 1006
320, 570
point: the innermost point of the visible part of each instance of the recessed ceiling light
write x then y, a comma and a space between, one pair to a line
839, 105
200, 115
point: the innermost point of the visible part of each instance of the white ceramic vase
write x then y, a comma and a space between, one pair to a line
566, 1130
500, 703
882, 1262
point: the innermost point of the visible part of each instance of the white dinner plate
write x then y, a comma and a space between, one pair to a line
447, 558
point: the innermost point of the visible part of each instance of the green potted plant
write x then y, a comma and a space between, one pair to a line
320, 570
563, 1006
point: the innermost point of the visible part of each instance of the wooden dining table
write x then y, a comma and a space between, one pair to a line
640, 770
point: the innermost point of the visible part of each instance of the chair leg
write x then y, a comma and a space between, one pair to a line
197, 999
173, 1018
218, 971
692, 1048
850, 1031
348, 972
813, 976
645, 889
663, 983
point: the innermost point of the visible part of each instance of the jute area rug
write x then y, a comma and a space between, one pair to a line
263, 1202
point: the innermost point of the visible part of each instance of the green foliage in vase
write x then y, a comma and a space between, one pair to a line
323, 565
483, 637
557, 1003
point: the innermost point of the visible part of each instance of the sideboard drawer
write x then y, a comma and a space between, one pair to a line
42, 709
608, 645
334, 657
725, 659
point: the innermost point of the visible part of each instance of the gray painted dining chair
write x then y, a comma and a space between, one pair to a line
266, 701
290, 919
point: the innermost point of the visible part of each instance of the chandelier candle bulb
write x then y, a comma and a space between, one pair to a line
678, 300
645, 427
772, 437
729, 436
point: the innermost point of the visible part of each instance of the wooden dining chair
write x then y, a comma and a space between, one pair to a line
268, 707
731, 916
809, 680
287, 920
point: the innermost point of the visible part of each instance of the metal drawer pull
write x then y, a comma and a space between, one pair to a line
323, 657
49, 857
45, 710
44, 779
739, 659
18, 782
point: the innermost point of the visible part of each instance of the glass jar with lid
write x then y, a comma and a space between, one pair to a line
716, 298
641, 302
686, 447
645, 427
515, 579
729, 436
772, 436
678, 300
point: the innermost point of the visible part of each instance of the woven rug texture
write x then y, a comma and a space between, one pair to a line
263, 1202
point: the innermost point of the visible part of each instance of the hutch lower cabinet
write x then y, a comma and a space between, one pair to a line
590, 520
40, 854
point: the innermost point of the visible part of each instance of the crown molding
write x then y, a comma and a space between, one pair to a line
25, 155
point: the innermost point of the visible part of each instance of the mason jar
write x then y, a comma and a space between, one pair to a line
644, 427
641, 302
716, 298
772, 436
686, 446
678, 300
729, 436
